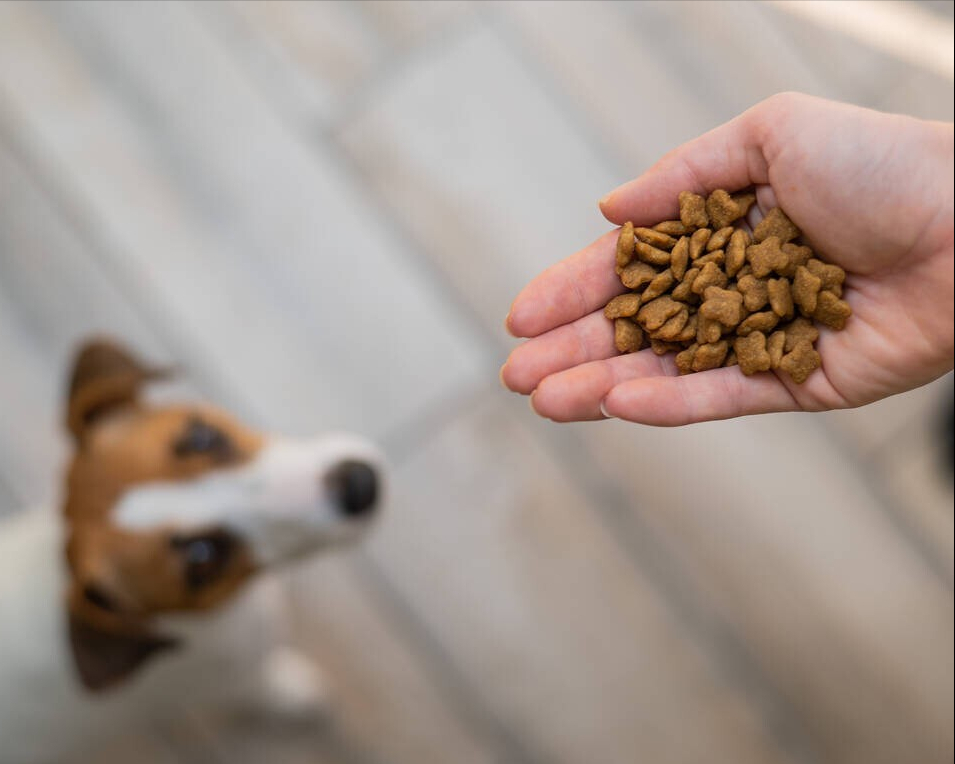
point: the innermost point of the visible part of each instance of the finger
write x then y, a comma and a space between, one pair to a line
586, 339
568, 290
575, 395
729, 156
716, 394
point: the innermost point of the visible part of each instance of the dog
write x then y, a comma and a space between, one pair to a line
147, 588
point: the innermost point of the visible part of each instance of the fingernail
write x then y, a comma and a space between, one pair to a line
604, 200
500, 376
530, 400
603, 410
507, 324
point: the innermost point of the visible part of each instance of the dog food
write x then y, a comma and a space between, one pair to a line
705, 288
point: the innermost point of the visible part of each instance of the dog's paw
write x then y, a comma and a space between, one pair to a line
294, 688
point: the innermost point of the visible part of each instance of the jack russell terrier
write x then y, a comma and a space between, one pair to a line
136, 596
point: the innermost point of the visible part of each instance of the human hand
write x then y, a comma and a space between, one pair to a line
871, 192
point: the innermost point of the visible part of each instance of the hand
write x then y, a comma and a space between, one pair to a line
871, 192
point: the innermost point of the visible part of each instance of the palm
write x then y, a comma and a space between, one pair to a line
839, 173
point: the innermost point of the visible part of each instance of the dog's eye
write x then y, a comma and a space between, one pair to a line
202, 438
204, 557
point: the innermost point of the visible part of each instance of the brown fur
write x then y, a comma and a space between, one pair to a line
120, 579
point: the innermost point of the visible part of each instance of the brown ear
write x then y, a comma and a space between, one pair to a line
104, 658
104, 377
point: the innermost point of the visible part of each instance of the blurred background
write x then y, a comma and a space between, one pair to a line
322, 211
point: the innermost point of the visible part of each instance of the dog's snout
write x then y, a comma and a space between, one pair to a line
354, 488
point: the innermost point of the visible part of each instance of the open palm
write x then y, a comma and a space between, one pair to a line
871, 192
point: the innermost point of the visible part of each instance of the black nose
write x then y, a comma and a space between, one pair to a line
354, 488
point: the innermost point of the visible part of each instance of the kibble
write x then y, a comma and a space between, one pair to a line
706, 289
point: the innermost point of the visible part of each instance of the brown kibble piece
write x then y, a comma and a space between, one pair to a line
660, 284
780, 297
798, 330
716, 256
625, 246
736, 251
751, 353
763, 322
722, 305
777, 224
722, 209
673, 228
693, 210
718, 240
662, 347
627, 336
689, 330
650, 254
731, 359
710, 276
671, 330
637, 275
797, 255
683, 291
654, 238
800, 362
622, 306
710, 356
744, 202
831, 311
698, 242
775, 346
755, 292
656, 313
708, 329
806, 290
831, 276
766, 257
679, 258
684, 359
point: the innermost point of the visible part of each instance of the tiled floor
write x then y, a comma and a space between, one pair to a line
322, 212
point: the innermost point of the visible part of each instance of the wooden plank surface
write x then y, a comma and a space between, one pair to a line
870, 670
61, 294
322, 212
571, 646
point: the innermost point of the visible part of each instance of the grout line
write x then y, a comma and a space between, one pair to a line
588, 130
185, 742
393, 67
511, 747
10, 501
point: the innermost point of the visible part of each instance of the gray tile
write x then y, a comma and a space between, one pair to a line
649, 76
920, 94
870, 429
536, 604
788, 548
249, 238
486, 172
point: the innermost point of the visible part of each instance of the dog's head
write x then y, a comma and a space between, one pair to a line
172, 509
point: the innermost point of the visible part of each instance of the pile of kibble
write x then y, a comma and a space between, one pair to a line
703, 287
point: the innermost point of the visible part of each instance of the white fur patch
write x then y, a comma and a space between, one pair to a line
278, 502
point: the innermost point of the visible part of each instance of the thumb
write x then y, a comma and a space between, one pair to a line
729, 156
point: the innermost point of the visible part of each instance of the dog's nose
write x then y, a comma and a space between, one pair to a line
354, 488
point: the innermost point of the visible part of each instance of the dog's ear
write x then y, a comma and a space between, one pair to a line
106, 644
104, 377
104, 659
